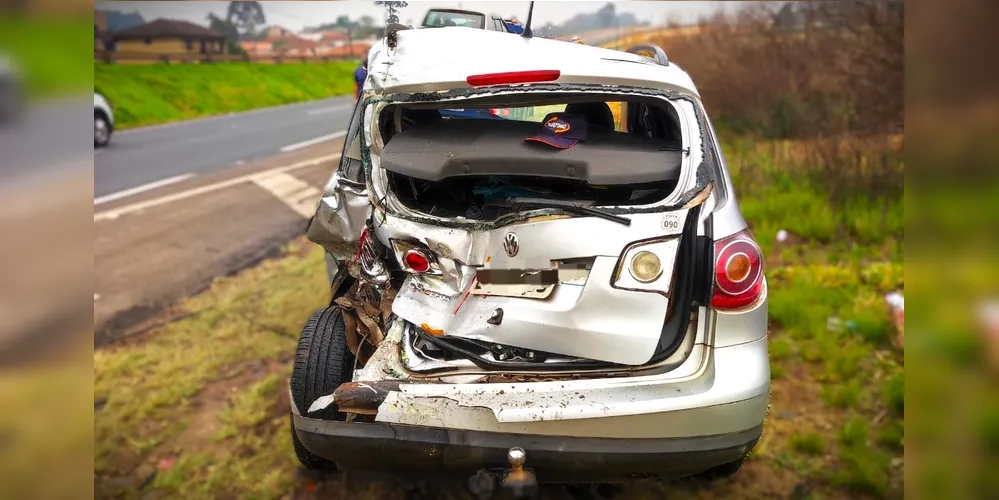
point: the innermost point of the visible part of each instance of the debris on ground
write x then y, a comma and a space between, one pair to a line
989, 316
835, 324
896, 304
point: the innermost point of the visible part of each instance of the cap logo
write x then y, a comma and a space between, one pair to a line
557, 125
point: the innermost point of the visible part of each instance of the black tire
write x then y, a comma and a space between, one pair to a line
101, 139
322, 363
308, 459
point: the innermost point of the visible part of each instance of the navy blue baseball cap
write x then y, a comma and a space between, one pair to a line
561, 130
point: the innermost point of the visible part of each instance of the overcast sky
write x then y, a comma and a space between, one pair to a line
296, 15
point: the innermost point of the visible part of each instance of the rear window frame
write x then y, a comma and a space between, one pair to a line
697, 177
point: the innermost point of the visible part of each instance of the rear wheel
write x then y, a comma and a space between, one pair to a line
322, 363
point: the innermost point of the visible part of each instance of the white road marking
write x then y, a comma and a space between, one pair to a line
323, 111
310, 142
301, 196
143, 205
141, 189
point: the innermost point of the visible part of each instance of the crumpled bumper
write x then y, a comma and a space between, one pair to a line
715, 391
392, 447
572, 430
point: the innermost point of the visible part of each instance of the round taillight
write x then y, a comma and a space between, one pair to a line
416, 261
738, 267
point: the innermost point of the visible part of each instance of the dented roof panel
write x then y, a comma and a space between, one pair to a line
436, 59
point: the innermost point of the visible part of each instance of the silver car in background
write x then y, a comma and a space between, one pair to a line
573, 290
103, 121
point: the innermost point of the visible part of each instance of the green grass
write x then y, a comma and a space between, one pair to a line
52, 53
844, 255
147, 94
204, 391
810, 443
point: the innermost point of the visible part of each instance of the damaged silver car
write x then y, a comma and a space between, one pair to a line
569, 290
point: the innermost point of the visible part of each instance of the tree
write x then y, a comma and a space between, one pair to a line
245, 16
216, 23
606, 16
392, 9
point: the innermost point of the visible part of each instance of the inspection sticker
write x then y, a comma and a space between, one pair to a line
671, 222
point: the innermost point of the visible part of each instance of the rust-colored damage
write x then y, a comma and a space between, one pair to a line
365, 317
363, 397
437, 332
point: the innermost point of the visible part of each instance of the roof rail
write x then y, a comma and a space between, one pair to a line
652, 51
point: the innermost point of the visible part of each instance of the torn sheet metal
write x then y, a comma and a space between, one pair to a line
382, 365
460, 404
340, 218
596, 321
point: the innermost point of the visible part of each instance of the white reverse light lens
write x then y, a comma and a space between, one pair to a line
645, 266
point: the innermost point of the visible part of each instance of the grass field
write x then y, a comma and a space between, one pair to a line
147, 94
51, 53
198, 408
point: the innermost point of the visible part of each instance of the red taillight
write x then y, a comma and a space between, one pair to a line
545, 75
416, 262
738, 272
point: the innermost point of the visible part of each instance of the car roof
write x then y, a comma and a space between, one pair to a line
442, 59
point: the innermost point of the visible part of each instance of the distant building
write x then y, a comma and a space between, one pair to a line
330, 43
168, 37
276, 32
117, 21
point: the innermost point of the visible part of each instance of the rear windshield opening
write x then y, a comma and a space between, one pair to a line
476, 161
444, 18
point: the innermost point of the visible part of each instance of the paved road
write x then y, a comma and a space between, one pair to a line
142, 156
158, 246
45, 141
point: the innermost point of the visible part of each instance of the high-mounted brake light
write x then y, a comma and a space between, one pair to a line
544, 75
738, 272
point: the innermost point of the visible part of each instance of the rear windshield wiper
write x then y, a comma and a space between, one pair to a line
568, 206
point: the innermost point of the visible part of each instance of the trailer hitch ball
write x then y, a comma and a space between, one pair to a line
519, 482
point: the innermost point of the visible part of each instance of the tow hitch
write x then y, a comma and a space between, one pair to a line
517, 483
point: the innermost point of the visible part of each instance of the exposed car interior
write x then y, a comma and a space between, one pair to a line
450, 166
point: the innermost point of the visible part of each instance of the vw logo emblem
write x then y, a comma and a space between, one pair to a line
511, 244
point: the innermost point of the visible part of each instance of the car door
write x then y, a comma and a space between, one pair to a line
344, 206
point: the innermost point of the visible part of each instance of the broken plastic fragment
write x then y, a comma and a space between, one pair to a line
431, 330
321, 403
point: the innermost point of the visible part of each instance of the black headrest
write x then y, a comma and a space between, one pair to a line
598, 114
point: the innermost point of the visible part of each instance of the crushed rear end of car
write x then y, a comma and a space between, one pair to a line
577, 299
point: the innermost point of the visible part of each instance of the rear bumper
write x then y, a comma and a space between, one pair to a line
554, 459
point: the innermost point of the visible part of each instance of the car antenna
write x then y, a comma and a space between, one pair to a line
527, 26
